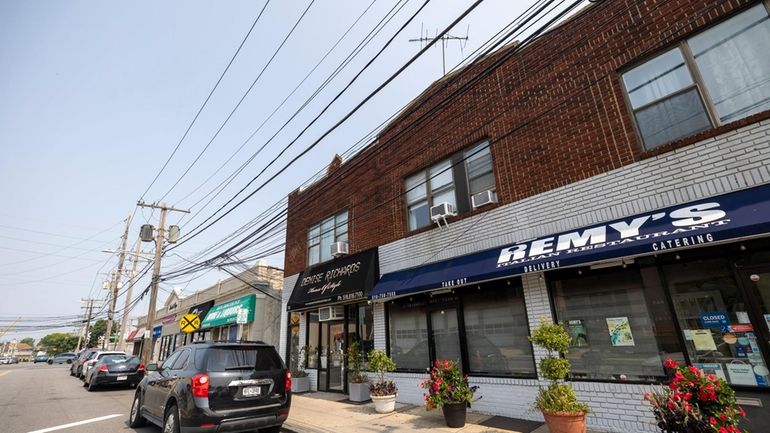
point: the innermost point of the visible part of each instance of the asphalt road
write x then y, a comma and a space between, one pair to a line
40, 396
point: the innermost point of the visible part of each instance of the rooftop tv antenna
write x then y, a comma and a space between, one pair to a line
463, 40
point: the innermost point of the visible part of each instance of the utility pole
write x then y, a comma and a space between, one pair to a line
160, 239
90, 309
115, 284
444, 40
129, 293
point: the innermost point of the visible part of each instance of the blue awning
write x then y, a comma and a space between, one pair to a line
726, 217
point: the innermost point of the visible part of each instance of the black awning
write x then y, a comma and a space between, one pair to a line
347, 279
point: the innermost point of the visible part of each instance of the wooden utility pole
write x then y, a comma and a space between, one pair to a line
90, 310
129, 293
116, 283
160, 239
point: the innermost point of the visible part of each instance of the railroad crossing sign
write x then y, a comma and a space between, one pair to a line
190, 323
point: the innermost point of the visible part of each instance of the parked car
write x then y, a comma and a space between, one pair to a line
215, 386
40, 358
93, 359
5, 359
77, 365
14, 360
115, 370
62, 358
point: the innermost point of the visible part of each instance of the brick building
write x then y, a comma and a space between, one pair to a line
612, 175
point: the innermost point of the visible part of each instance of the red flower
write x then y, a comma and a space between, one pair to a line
670, 363
695, 370
741, 411
671, 405
723, 430
713, 421
723, 417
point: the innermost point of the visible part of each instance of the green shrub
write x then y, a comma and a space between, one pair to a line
380, 363
557, 397
355, 364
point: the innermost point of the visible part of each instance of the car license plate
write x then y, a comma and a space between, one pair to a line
122, 377
251, 391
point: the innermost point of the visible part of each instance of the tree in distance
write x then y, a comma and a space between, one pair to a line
58, 342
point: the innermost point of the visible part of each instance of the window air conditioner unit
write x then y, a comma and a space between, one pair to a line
441, 211
340, 249
331, 313
483, 198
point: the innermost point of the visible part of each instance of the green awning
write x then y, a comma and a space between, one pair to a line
227, 313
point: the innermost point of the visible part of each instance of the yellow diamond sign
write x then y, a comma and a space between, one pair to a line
190, 323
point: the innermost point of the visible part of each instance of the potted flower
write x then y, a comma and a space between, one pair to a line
358, 383
561, 409
300, 381
695, 402
449, 390
383, 391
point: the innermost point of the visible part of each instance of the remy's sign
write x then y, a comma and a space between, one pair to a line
716, 219
340, 280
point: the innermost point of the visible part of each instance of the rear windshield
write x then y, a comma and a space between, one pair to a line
243, 358
120, 359
104, 355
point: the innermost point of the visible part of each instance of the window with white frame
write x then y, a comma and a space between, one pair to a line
454, 180
429, 188
478, 166
321, 236
715, 77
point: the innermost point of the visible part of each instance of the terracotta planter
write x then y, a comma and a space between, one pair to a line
384, 404
565, 423
454, 414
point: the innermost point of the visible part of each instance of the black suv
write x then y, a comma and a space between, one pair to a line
215, 387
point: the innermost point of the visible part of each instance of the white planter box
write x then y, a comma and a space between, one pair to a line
358, 392
300, 384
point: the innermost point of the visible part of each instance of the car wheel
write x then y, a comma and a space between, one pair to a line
91, 385
171, 423
135, 418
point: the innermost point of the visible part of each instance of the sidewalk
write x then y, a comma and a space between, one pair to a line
320, 412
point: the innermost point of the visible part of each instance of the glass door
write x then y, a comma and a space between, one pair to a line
336, 355
446, 336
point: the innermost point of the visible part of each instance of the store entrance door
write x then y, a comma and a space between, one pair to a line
331, 371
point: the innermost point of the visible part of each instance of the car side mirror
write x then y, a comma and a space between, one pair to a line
152, 367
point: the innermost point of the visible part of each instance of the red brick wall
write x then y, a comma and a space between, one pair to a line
554, 113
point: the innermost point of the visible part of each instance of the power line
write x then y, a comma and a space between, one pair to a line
229, 116
205, 102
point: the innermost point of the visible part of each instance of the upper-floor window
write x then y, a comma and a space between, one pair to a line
428, 188
321, 236
454, 181
715, 77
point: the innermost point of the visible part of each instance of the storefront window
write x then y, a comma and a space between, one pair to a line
366, 328
619, 321
312, 339
720, 334
496, 332
294, 354
408, 332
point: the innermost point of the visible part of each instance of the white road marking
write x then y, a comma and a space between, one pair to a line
4, 373
88, 421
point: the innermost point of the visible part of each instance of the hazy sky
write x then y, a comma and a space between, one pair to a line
95, 95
